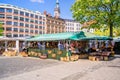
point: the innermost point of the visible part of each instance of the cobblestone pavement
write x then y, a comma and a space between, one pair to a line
103, 71
78, 70
10, 66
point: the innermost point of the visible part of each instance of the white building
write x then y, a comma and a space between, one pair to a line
91, 30
72, 26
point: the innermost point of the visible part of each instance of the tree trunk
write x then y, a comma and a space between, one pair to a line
111, 30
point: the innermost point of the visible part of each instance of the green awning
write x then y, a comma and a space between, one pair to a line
58, 36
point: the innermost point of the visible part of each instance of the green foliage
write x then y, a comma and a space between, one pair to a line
104, 31
105, 12
1, 29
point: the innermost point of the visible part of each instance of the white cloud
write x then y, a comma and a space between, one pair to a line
39, 1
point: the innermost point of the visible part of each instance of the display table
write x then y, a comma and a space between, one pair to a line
97, 56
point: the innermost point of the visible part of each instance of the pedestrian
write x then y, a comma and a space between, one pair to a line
39, 46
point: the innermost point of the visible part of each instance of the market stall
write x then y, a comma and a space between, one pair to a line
54, 45
10, 46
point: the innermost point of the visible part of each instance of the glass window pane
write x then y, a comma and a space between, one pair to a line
31, 31
21, 19
32, 15
22, 13
8, 35
2, 16
8, 29
15, 23
15, 17
15, 29
26, 20
26, 30
26, 25
21, 30
21, 35
15, 35
36, 31
9, 16
8, 22
31, 26
36, 16
9, 10
15, 11
27, 14
22, 24
2, 10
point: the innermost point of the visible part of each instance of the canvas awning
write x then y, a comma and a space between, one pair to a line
58, 36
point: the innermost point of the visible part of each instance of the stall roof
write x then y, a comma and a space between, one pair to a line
68, 36
91, 36
2, 38
58, 36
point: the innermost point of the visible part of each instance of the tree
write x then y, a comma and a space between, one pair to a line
1, 29
104, 12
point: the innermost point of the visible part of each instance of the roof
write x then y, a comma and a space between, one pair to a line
58, 36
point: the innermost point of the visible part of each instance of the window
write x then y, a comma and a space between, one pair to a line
15, 11
40, 32
2, 22
36, 16
15, 17
40, 27
36, 26
21, 30
22, 13
26, 35
9, 10
15, 35
9, 16
27, 14
31, 31
22, 24
43, 23
40, 22
2, 16
21, 35
21, 19
26, 25
26, 30
36, 31
8, 22
8, 29
43, 27
32, 15
15, 29
2, 10
26, 20
36, 21
32, 21
40, 17
31, 26
15, 23
8, 35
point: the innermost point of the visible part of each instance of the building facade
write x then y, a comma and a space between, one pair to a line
91, 30
20, 22
72, 26
54, 24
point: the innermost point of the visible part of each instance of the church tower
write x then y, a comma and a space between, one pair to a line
57, 10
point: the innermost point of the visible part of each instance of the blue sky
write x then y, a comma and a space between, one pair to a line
42, 5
